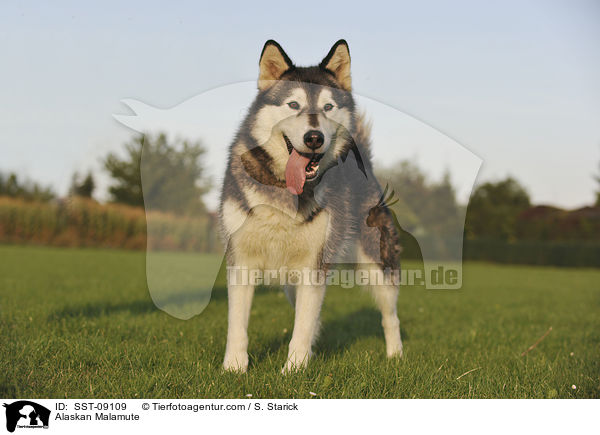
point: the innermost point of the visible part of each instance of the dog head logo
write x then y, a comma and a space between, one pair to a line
300, 144
26, 414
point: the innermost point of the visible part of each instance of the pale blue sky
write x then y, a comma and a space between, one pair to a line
516, 82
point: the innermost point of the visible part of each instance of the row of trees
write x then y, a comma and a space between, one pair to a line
11, 186
170, 176
499, 210
173, 177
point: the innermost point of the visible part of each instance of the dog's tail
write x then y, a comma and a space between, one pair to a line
362, 134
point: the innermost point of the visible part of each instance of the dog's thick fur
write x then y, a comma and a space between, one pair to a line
337, 213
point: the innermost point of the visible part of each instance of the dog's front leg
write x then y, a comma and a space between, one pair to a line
306, 325
236, 352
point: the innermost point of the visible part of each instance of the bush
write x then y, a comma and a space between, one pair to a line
79, 222
536, 252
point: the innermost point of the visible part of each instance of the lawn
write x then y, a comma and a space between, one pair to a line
80, 323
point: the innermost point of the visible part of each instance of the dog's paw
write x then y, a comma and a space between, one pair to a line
296, 362
236, 362
394, 350
292, 367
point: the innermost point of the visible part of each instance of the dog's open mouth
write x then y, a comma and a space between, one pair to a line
300, 167
311, 169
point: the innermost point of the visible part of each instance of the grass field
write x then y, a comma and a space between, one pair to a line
80, 323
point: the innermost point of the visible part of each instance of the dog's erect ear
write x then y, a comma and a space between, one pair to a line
273, 63
338, 62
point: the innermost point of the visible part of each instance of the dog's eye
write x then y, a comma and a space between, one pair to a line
294, 105
327, 107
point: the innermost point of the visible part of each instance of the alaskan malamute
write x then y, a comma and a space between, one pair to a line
299, 194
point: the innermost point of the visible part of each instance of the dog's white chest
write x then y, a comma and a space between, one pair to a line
270, 239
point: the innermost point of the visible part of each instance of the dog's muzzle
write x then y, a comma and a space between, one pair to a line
312, 166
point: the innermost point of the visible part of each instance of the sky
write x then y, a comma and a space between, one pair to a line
515, 83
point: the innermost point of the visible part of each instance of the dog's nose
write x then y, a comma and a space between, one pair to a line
314, 139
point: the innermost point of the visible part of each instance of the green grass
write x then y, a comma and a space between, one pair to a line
80, 323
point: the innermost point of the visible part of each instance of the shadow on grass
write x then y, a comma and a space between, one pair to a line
336, 336
92, 310
137, 307
144, 306
339, 334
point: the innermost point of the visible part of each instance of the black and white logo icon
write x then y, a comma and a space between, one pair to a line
26, 414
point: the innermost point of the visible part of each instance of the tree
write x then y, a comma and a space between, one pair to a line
494, 208
165, 176
431, 220
597, 177
28, 190
83, 188
425, 206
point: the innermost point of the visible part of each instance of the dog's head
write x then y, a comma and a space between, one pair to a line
303, 115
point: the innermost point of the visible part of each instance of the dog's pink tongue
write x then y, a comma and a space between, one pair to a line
295, 172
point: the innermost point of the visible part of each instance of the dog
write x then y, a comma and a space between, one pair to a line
299, 194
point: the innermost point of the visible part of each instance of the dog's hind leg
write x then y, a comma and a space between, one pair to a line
240, 302
385, 295
306, 325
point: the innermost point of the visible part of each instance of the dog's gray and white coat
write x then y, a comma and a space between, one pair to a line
299, 192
